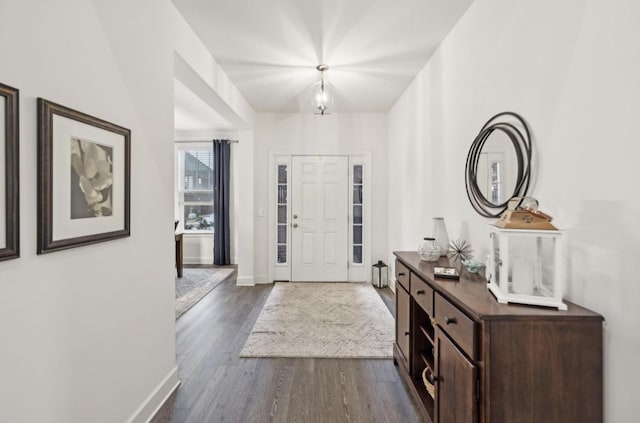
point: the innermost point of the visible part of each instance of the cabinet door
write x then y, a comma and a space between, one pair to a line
456, 383
402, 321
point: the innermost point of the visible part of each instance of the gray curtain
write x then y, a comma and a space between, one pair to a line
222, 235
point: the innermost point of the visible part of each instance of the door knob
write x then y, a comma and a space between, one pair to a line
295, 225
295, 216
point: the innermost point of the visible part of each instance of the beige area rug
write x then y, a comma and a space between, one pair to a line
322, 320
195, 283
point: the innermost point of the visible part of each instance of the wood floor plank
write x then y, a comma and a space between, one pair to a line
268, 396
219, 386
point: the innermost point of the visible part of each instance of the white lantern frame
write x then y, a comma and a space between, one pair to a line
501, 267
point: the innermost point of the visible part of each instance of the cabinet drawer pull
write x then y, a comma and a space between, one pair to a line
401, 274
420, 292
406, 334
450, 320
431, 377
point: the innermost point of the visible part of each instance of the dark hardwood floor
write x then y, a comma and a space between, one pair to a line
218, 386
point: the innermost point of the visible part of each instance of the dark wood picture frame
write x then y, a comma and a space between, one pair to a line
11, 181
46, 147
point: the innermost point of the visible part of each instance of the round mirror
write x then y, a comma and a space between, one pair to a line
497, 168
498, 164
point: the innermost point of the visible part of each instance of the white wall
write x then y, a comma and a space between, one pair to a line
197, 248
571, 69
88, 334
243, 249
306, 133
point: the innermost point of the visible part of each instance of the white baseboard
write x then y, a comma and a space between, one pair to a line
245, 281
156, 399
262, 279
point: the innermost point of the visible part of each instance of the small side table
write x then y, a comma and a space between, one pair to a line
179, 254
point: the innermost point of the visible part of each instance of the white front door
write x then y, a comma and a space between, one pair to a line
319, 218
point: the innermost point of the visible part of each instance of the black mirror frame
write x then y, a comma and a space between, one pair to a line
521, 141
12, 172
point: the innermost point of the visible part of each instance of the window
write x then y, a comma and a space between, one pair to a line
195, 188
357, 214
496, 181
281, 241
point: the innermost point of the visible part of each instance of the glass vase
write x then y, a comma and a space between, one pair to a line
429, 250
440, 234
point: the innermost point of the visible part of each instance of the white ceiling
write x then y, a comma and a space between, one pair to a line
192, 114
270, 48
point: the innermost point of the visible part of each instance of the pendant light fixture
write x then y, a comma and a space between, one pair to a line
322, 95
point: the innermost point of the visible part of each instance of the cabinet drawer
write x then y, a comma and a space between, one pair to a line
422, 293
457, 325
402, 275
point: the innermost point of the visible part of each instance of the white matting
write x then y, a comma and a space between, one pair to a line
322, 320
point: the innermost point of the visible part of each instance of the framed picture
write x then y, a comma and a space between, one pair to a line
84, 178
446, 272
9, 174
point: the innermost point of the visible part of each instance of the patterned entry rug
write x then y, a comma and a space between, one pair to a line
322, 320
195, 283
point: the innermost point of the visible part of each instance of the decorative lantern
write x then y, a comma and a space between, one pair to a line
527, 266
380, 275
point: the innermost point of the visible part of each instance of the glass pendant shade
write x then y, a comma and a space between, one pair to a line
322, 94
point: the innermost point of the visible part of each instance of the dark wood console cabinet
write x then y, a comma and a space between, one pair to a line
491, 362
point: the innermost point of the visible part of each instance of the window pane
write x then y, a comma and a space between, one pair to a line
282, 194
198, 217
496, 181
282, 214
198, 170
357, 254
357, 214
198, 196
357, 174
282, 174
357, 234
357, 194
282, 234
282, 253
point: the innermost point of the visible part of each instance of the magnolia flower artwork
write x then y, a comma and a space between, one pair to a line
84, 179
91, 179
